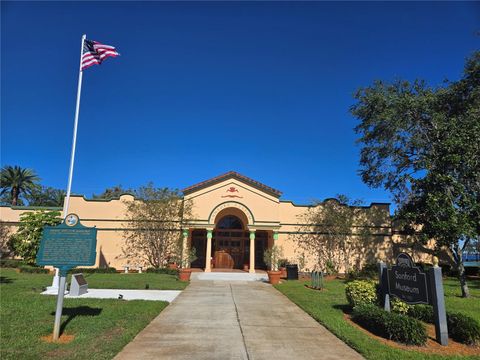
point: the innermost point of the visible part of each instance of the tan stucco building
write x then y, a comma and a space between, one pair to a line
231, 213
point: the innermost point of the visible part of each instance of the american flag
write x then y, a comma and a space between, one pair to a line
95, 52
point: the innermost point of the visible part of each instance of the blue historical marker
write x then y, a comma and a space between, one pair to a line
66, 246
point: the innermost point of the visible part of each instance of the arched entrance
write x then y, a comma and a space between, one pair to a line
230, 238
230, 242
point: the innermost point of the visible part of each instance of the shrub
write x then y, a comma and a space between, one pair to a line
368, 272
393, 326
282, 262
11, 263
463, 328
26, 240
22, 267
399, 306
361, 292
330, 268
272, 257
108, 270
162, 271
422, 312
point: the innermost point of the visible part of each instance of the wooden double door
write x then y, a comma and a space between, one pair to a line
234, 242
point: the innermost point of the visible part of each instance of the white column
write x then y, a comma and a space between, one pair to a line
252, 252
185, 261
208, 256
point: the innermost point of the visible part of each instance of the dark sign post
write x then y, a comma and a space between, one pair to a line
409, 283
65, 246
382, 280
438, 302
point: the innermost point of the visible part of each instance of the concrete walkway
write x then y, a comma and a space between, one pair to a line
153, 295
234, 320
229, 276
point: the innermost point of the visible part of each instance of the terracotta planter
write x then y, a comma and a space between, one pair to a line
283, 270
274, 277
184, 274
173, 266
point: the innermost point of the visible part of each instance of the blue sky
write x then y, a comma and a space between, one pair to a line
262, 88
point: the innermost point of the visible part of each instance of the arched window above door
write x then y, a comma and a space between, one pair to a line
230, 222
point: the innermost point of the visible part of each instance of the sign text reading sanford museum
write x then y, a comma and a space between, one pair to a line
407, 282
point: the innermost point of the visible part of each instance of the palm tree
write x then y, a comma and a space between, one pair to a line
17, 181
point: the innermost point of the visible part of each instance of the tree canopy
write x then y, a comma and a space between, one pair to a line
153, 229
26, 240
17, 182
113, 192
46, 196
337, 232
422, 144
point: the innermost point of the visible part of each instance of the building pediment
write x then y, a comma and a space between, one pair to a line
231, 192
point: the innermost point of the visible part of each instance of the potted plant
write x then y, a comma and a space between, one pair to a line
186, 271
172, 265
282, 266
272, 258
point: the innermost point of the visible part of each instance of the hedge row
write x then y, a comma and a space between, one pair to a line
108, 270
162, 271
11, 263
22, 266
461, 328
32, 269
393, 326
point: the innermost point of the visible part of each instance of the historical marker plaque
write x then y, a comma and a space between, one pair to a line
68, 245
408, 282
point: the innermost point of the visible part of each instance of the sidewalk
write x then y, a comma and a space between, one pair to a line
234, 320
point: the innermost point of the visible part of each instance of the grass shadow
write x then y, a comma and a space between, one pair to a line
5, 280
345, 308
72, 313
474, 284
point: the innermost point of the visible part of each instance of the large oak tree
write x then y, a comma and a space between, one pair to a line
422, 144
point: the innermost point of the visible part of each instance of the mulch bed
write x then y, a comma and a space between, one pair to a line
63, 339
432, 346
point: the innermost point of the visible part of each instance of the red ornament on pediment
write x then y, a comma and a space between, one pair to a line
232, 189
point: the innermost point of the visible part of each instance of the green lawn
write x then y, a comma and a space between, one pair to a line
328, 306
133, 281
101, 327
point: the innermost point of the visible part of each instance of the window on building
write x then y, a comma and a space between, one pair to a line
230, 222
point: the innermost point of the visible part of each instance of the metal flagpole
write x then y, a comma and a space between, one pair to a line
62, 279
75, 126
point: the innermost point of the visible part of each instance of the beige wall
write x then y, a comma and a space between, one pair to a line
259, 209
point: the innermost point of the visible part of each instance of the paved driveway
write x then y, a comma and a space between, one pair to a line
234, 320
